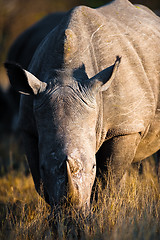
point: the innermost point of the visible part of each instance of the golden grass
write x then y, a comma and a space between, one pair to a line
130, 211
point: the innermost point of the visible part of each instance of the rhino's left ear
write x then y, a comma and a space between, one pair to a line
103, 79
24, 81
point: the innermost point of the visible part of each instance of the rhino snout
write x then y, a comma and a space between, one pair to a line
58, 170
61, 183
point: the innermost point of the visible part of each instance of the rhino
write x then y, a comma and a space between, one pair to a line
90, 99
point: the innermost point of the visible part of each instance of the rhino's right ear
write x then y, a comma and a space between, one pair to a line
24, 81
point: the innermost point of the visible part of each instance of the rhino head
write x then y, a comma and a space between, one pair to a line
68, 110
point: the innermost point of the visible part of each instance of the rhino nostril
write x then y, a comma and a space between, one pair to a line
42, 170
62, 167
42, 167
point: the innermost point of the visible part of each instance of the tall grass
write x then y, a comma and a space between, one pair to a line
130, 211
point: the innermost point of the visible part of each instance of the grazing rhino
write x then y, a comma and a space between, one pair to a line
83, 108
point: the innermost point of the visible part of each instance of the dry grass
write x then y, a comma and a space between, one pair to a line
131, 211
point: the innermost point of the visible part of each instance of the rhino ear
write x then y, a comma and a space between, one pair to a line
103, 79
24, 81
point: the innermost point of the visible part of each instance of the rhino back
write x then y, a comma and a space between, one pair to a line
99, 36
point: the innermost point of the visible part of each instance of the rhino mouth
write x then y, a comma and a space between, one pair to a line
66, 191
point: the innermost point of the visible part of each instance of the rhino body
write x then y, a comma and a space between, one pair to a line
87, 108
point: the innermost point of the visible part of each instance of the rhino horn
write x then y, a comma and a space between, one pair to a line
72, 190
70, 44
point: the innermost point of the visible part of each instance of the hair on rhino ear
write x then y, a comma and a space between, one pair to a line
103, 79
23, 81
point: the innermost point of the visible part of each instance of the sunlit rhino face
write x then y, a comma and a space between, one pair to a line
68, 111
66, 119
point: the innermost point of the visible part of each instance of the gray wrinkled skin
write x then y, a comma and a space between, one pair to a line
73, 115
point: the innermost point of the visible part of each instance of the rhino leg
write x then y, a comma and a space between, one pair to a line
116, 155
